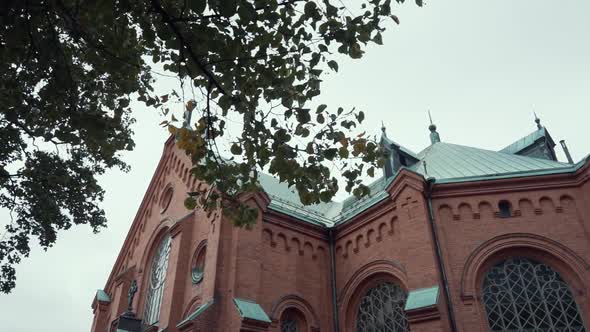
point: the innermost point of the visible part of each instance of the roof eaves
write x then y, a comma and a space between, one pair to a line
363, 206
539, 172
283, 206
375, 198
251, 310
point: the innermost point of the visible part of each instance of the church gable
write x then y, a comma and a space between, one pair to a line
162, 201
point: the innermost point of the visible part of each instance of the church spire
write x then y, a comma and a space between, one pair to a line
434, 136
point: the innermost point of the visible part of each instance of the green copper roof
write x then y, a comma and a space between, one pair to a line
251, 310
286, 200
102, 296
422, 298
446, 162
195, 313
525, 142
450, 162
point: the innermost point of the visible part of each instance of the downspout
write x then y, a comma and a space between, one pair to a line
333, 282
439, 259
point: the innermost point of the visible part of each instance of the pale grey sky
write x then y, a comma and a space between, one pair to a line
481, 67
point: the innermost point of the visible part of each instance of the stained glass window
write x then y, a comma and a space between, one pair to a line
523, 295
156, 282
382, 310
289, 325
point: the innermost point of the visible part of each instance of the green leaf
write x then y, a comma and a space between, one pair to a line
378, 39
333, 65
343, 152
197, 6
236, 149
360, 117
310, 8
227, 8
355, 51
190, 203
320, 118
330, 153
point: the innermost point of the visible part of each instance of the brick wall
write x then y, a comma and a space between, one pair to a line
283, 263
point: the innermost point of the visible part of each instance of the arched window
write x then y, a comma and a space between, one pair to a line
382, 310
505, 209
198, 269
157, 278
289, 325
523, 295
293, 321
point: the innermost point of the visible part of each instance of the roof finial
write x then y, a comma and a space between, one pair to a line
434, 136
538, 121
383, 128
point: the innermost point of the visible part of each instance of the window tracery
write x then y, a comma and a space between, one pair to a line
382, 310
156, 282
289, 325
520, 294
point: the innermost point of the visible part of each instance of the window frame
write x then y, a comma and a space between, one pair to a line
494, 287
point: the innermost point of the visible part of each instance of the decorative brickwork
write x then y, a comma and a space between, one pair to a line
284, 266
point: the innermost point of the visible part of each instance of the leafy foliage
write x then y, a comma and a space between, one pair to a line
68, 69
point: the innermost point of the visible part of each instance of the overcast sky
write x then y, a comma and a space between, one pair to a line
481, 67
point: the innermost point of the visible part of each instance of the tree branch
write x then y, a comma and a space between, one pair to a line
168, 20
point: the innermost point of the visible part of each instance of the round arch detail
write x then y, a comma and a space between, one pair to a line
365, 278
573, 268
293, 301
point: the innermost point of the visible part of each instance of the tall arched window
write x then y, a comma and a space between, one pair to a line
382, 310
198, 269
157, 278
523, 295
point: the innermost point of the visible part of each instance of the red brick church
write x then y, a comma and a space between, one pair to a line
454, 238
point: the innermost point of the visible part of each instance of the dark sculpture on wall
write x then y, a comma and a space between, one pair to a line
131, 295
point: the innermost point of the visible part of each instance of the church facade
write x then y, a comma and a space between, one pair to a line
453, 238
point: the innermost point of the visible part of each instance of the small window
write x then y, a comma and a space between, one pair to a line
166, 198
402, 160
198, 269
505, 209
